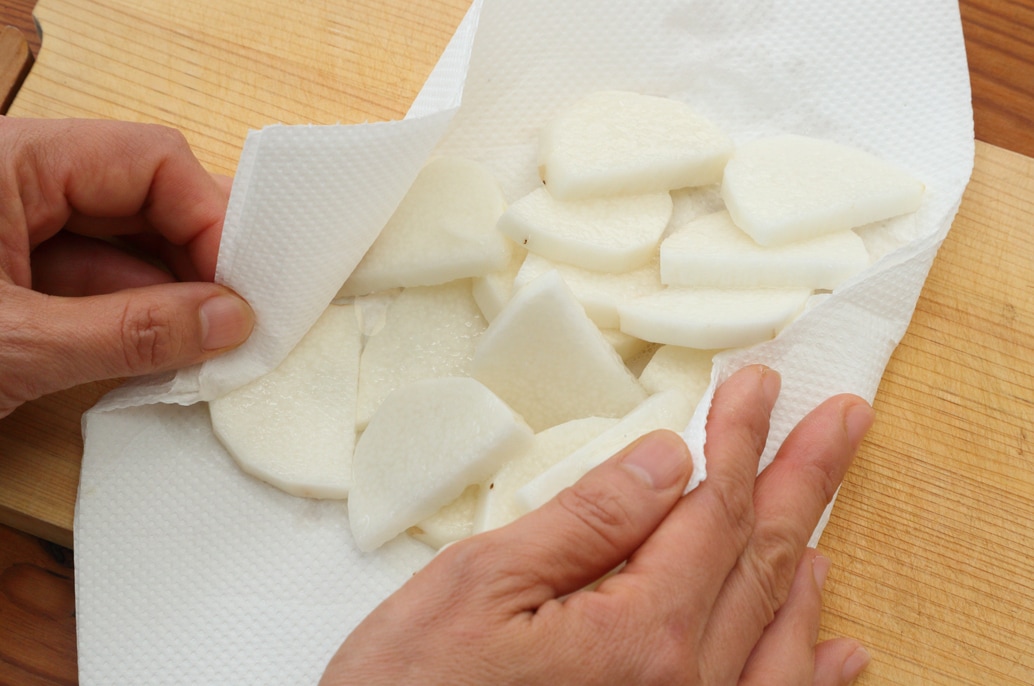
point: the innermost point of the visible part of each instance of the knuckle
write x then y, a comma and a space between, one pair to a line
771, 561
597, 509
147, 340
734, 503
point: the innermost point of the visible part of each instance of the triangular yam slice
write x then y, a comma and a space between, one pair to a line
427, 442
617, 142
667, 410
788, 188
295, 427
443, 230
493, 291
711, 317
614, 234
713, 252
427, 332
497, 505
546, 359
598, 292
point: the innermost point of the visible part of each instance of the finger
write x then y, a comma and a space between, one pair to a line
789, 498
118, 170
784, 656
591, 527
70, 265
51, 343
700, 541
839, 661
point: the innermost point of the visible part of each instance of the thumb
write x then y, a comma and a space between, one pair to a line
593, 526
53, 343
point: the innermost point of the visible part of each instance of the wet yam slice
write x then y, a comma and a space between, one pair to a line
619, 143
667, 410
599, 293
443, 230
497, 505
713, 252
711, 317
544, 357
453, 522
295, 427
427, 442
788, 188
684, 369
613, 234
427, 332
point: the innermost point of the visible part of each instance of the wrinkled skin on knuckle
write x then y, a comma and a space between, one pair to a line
598, 509
770, 562
148, 341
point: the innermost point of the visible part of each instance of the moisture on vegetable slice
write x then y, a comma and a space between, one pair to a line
619, 143
295, 427
546, 358
426, 443
787, 188
443, 230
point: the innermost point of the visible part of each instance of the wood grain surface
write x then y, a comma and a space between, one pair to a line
931, 537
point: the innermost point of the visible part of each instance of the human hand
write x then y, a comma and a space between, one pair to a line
718, 588
74, 308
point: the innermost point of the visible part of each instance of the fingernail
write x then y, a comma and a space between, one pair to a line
857, 421
661, 458
820, 568
771, 382
855, 664
226, 322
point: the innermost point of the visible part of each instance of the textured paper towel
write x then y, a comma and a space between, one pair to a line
190, 572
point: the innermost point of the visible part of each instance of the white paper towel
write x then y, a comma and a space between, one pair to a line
190, 572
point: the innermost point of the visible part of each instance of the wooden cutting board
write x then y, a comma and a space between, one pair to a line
932, 534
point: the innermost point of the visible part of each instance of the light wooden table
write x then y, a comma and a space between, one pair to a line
931, 537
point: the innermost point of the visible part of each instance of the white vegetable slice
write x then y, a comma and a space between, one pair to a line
295, 427
442, 230
712, 252
493, 291
453, 522
428, 332
710, 317
684, 369
788, 188
612, 234
616, 142
882, 238
628, 347
497, 505
546, 358
667, 410
598, 292
427, 442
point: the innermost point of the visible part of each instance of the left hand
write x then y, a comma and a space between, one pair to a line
76, 308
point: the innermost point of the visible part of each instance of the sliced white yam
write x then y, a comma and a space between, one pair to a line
710, 317
497, 505
598, 292
616, 142
443, 230
684, 369
546, 359
628, 347
371, 310
638, 363
427, 332
712, 252
427, 442
295, 427
667, 410
688, 204
788, 188
451, 523
613, 234
493, 291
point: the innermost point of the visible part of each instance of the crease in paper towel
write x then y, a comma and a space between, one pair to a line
886, 76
